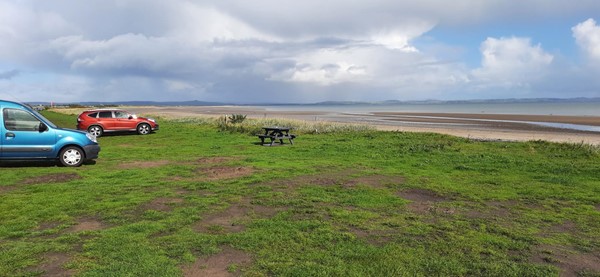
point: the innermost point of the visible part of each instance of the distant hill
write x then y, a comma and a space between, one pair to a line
136, 103
333, 103
473, 101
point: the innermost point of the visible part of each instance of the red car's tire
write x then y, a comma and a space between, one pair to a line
144, 129
96, 130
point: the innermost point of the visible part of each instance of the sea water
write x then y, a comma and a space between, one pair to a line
543, 108
540, 108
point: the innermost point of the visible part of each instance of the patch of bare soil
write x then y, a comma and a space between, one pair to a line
51, 178
598, 207
376, 181
48, 225
374, 237
425, 201
565, 227
214, 160
52, 265
322, 179
182, 191
226, 263
232, 219
163, 204
344, 178
144, 164
225, 172
4, 189
494, 210
87, 224
569, 261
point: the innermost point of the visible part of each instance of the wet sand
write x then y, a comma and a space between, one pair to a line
505, 127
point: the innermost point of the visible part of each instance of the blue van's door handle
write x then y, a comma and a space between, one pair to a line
10, 135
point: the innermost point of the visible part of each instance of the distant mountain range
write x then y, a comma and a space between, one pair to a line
473, 101
333, 103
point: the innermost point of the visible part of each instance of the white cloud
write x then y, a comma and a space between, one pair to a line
587, 36
202, 23
511, 62
230, 49
23, 27
323, 67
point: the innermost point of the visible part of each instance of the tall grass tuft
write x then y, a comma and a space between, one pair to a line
254, 126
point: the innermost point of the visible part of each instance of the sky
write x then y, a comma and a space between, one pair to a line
280, 51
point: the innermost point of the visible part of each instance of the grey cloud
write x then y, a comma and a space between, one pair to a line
7, 75
255, 51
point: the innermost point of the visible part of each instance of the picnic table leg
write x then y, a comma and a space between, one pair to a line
291, 141
272, 140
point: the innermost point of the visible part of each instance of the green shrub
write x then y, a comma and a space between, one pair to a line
237, 118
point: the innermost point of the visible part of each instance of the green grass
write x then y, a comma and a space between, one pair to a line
330, 205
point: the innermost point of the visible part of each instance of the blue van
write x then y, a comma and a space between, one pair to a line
27, 135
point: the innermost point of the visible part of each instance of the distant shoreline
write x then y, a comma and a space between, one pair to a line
505, 127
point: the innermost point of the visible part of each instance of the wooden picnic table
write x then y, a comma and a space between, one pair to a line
275, 133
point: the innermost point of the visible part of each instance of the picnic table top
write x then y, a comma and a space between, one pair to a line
276, 128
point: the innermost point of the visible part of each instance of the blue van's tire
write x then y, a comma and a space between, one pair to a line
144, 129
96, 130
71, 156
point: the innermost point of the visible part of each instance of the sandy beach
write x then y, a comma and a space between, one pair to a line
505, 127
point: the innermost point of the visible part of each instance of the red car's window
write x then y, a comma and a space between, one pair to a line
121, 114
92, 115
105, 114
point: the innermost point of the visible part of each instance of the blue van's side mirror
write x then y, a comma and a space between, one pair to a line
43, 127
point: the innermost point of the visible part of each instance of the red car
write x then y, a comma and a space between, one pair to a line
96, 122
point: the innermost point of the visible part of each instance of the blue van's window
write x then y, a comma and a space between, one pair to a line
19, 120
45, 120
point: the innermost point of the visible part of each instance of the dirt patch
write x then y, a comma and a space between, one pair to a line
344, 178
87, 224
425, 201
233, 218
374, 237
493, 210
225, 221
163, 204
598, 207
51, 178
565, 227
376, 181
501, 211
326, 178
214, 160
144, 164
226, 263
48, 225
52, 265
4, 189
569, 261
225, 172
182, 191
321, 179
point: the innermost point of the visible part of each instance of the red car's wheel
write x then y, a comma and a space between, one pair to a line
143, 129
96, 130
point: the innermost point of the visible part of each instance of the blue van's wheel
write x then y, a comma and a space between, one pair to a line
96, 130
71, 156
